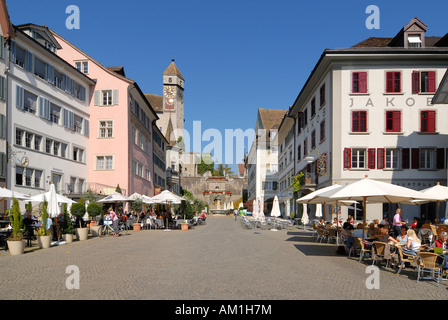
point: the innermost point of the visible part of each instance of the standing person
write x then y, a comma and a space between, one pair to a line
397, 222
114, 218
235, 212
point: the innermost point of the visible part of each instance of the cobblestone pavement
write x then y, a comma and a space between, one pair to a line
216, 261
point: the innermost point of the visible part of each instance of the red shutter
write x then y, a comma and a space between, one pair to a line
415, 81
405, 158
347, 158
380, 158
431, 121
389, 82
362, 82
371, 162
396, 121
398, 77
431, 81
415, 158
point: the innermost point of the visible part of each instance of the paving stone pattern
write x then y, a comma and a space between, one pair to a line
216, 261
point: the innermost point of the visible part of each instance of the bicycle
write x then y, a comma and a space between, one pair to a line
105, 229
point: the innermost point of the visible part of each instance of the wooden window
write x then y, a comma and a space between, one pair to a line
371, 158
313, 139
393, 82
392, 158
358, 158
359, 121
415, 158
393, 121
380, 158
322, 130
428, 121
359, 82
347, 158
405, 158
313, 107
440, 158
322, 95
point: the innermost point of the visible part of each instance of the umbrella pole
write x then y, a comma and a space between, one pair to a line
57, 228
364, 217
438, 206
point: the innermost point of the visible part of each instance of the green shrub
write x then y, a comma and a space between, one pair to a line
16, 221
94, 209
78, 210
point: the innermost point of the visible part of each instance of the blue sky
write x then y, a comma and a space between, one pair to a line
235, 56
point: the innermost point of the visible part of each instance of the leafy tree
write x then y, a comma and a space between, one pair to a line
78, 210
94, 209
67, 226
207, 165
16, 221
44, 230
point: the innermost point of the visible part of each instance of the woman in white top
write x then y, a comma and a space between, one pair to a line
413, 244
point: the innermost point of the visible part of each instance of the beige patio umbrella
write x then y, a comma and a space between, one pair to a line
375, 192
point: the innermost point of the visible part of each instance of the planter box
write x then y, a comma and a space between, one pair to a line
82, 233
16, 247
184, 226
137, 226
94, 230
68, 237
44, 242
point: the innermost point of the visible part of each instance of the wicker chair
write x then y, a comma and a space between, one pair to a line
364, 250
405, 258
332, 235
379, 248
356, 246
321, 234
427, 263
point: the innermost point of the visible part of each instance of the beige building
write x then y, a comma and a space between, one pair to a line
367, 110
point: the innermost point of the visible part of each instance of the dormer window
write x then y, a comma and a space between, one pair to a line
414, 41
82, 66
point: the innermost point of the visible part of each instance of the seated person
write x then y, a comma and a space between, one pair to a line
347, 234
403, 237
441, 242
385, 222
372, 232
414, 224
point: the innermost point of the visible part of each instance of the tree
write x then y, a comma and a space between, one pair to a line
207, 165
16, 221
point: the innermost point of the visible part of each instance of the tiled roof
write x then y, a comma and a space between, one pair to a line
271, 118
172, 70
155, 101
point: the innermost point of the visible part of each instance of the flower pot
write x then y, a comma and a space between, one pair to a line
82, 233
94, 230
184, 226
44, 242
137, 226
16, 247
68, 237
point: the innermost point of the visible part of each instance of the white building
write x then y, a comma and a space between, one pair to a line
286, 165
48, 116
366, 110
262, 160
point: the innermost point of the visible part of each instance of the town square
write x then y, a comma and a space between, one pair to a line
226, 158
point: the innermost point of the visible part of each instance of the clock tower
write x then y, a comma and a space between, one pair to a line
173, 101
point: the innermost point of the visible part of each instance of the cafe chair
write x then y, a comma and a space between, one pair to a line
427, 264
364, 250
404, 257
314, 229
321, 234
356, 246
378, 252
332, 235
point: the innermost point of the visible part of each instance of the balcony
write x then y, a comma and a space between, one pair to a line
310, 180
172, 177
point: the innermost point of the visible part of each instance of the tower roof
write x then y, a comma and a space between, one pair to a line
173, 70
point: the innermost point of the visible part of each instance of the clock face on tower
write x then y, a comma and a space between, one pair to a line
170, 92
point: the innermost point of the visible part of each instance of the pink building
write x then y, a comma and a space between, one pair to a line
121, 120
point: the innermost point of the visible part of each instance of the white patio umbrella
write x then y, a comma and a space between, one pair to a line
46, 196
439, 192
305, 220
318, 212
167, 197
375, 192
275, 212
53, 207
6, 194
261, 216
115, 198
255, 208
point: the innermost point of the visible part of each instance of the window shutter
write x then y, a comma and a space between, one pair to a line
86, 127
431, 81
29, 61
415, 81
380, 158
3, 163
2, 126
41, 107
363, 82
44, 108
65, 119
2, 88
20, 103
396, 121
431, 121
2, 47
371, 158
389, 81
114, 97
49, 73
12, 55
440, 158
415, 158
347, 158
82, 93
405, 158
96, 98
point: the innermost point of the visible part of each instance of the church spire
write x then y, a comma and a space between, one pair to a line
172, 70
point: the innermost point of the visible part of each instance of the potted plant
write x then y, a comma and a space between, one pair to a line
94, 210
67, 227
43, 233
79, 210
136, 206
184, 226
16, 244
